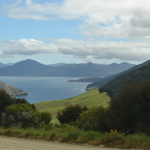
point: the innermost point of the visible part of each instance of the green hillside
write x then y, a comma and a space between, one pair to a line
91, 98
115, 86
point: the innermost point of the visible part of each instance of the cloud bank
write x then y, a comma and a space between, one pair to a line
84, 49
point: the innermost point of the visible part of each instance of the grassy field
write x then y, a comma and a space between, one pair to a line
91, 98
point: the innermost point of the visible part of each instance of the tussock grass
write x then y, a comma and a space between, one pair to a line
90, 99
72, 134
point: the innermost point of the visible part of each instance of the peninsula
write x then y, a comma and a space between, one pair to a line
11, 90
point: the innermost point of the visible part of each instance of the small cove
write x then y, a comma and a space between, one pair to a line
46, 88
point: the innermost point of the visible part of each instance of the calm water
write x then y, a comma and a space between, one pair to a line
46, 88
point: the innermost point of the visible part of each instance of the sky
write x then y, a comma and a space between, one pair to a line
75, 31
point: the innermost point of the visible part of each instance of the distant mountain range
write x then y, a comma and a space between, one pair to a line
34, 68
5, 65
2, 65
12, 91
114, 84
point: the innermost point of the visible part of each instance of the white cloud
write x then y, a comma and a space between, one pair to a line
26, 47
81, 49
102, 18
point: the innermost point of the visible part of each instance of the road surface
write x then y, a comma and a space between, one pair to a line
11, 143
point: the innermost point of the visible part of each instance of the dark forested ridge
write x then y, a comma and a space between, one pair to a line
115, 86
108, 79
34, 68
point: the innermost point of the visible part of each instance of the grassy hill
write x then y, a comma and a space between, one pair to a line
91, 98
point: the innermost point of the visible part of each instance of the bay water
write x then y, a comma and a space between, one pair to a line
46, 88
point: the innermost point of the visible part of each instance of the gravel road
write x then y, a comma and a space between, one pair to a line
11, 143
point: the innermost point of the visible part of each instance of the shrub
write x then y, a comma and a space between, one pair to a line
46, 117
25, 115
101, 119
7, 100
70, 113
87, 119
130, 110
13, 109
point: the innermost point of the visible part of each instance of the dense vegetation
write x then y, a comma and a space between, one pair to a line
6, 100
115, 86
128, 112
18, 111
70, 113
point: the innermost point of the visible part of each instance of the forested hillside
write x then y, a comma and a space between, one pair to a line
115, 86
106, 80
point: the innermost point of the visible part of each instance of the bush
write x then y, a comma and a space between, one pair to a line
41, 119
70, 113
46, 117
13, 109
87, 119
130, 110
93, 119
26, 115
7, 100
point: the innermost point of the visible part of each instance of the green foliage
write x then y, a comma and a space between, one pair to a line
41, 120
46, 117
93, 119
70, 113
22, 107
129, 111
113, 139
101, 119
87, 119
7, 100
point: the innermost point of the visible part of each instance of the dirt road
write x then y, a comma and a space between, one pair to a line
9, 143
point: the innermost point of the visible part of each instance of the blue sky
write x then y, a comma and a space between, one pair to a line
75, 31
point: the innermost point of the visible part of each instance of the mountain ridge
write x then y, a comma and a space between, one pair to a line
33, 68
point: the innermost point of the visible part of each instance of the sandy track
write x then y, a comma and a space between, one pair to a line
9, 143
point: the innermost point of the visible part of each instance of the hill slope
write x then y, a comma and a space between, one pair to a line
91, 98
105, 80
115, 86
34, 68
13, 91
